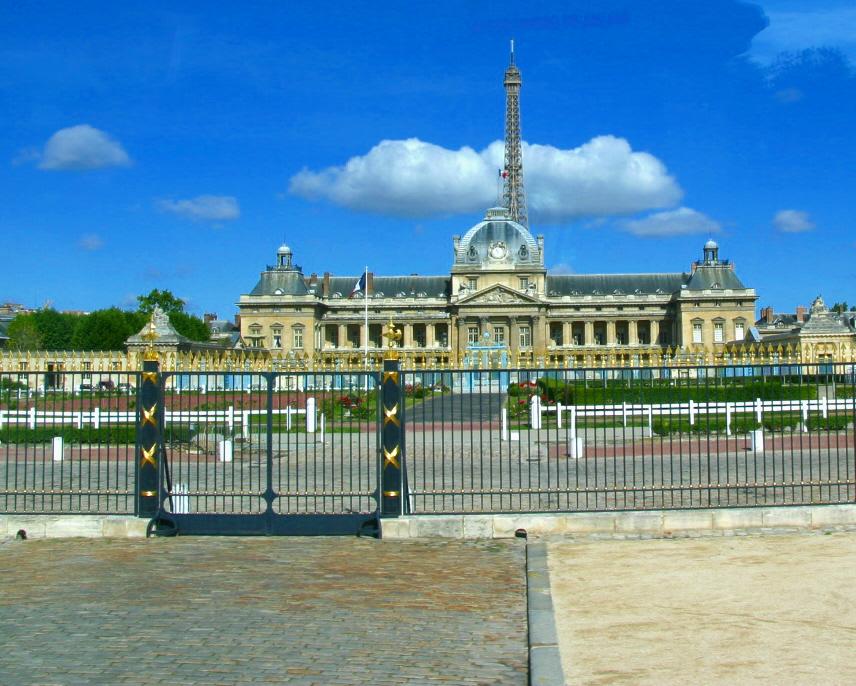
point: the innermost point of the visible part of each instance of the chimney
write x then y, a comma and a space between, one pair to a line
801, 311
767, 314
209, 317
325, 286
369, 283
238, 321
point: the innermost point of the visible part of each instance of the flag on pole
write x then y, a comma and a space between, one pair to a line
360, 286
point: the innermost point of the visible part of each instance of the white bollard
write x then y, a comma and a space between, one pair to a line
756, 441
310, 416
245, 424
824, 407
224, 450
96, 418
759, 410
559, 409
728, 411
180, 499
624, 414
230, 418
78, 419
503, 426
535, 412
31, 417
650, 421
323, 426
578, 447
804, 410
288, 413
58, 448
692, 412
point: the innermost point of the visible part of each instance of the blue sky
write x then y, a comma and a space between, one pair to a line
171, 146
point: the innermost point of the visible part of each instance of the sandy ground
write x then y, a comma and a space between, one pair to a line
726, 610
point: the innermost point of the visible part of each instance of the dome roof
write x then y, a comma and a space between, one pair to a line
711, 245
498, 242
283, 250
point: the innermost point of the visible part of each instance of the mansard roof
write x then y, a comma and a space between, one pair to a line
614, 284
392, 286
280, 282
707, 277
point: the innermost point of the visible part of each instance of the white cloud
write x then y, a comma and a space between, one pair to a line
680, 222
413, 178
82, 147
794, 31
562, 268
207, 207
91, 242
793, 221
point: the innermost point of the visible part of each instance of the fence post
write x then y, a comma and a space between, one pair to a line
727, 419
310, 415
392, 431
692, 412
535, 412
149, 435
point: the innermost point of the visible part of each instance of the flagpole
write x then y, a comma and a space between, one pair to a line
366, 299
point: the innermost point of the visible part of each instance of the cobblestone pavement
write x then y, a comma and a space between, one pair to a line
269, 610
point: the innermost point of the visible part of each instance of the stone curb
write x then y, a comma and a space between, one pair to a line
545, 663
649, 523
73, 526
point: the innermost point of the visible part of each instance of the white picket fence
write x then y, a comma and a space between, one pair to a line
567, 416
96, 417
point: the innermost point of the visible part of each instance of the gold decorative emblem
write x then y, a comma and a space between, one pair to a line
390, 457
393, 336
390, 415
149, 456
149, 415
148, 494
150, 336
150, 376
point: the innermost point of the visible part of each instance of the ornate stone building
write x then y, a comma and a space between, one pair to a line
499, 295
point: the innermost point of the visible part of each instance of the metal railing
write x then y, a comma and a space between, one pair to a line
540, 440
487, 440
67, 442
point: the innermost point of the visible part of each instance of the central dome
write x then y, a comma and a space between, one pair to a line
497, 242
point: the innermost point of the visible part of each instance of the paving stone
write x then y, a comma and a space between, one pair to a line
327, 611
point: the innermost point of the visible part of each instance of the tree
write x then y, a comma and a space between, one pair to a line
840, 307
24, 333
164, 299
106, 329
188, 325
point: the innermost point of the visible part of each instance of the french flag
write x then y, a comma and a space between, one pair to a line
360, 286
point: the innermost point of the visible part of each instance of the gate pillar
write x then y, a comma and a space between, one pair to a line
149, 435
392, 431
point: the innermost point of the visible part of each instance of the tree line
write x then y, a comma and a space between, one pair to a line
106, 329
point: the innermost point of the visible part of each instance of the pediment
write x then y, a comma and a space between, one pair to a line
498, 295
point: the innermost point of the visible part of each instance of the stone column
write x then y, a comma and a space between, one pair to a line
567, 333
589, 334
430, 335
632, 332
343, 336
655, 332
407, 340
539, 334
610, 332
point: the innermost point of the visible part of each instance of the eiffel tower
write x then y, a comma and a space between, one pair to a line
513, 194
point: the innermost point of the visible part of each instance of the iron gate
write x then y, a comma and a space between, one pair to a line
273, 453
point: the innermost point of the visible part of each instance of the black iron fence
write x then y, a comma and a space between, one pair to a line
540, 440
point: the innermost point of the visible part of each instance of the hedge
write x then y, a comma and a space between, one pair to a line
125, 434
569, 393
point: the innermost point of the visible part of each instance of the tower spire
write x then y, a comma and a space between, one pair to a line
513, 195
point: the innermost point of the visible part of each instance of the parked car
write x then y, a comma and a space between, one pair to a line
106, 385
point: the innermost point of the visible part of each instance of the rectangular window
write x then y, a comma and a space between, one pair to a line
718, 332
473, 335
525, 336
87, 371
297, 338
277, 340
472, 284
697, 332
739, 335
499, 334
524, 283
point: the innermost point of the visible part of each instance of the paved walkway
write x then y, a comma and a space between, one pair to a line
250, 611
772, 609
